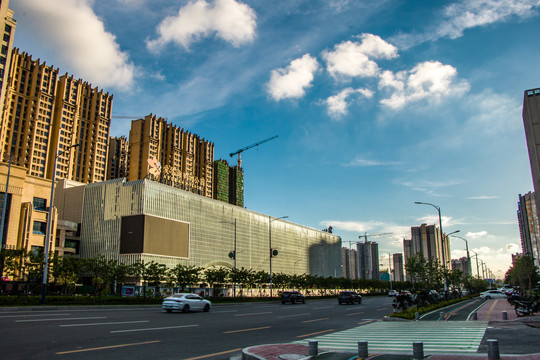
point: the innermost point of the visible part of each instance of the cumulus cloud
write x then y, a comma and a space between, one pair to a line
428, 80
476, 235
292, 81
79, 36
354, 59
230, 20
338, 105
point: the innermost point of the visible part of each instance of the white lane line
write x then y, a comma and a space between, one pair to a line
324, 307
288, 316
151, 329
308, 321
107, 323
64, 319
261, 313
23, 315
227, 311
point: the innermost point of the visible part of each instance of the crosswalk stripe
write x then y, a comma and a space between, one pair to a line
392, 336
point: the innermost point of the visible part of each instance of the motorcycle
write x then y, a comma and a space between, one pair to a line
526, 308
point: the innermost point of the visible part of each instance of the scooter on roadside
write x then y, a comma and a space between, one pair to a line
526, 308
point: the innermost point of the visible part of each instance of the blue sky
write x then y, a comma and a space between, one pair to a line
377, 104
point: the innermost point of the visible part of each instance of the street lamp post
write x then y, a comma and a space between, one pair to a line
270, 245
234, 251
467, 248
49, 220
477, 268
442, 238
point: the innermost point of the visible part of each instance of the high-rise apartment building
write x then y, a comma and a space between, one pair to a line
45, 114
531, 122
184, 160
8, 24
368, 260
462, 264
349, 260
428, 241
397, 260
408, 252
529, 227
117, 157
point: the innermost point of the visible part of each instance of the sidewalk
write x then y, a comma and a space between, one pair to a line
513, 334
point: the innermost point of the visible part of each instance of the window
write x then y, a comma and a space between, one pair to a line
40, 204
40, 228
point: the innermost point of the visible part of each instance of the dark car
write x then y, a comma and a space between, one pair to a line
349, 297
292, 297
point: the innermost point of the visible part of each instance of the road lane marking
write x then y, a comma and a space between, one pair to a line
315, 333
64, 319
365, 322
23, 315
243, 330
288, 316
324, 307
226, 311
215, 354
358, 313
106, 323
251, 314
382, 309
151, 329
107, 347
307, 321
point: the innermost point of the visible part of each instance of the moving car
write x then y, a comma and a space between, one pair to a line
349, 297
392, 293
292, 297
493, 294
185, 303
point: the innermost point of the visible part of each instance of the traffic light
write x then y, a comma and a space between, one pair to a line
232, 255
273, 252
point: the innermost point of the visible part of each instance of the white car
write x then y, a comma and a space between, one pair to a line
185, 303
392, 293
493, 294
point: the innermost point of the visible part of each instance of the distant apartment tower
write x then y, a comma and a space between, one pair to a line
397, 260
408, 252
428, 241
228, 183
45, 114
368, 260
462, 264
185, 159
349, 259
117, 157
8, 24
529, 227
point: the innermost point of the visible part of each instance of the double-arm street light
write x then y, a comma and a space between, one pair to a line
49, 220
442, 238
270, 245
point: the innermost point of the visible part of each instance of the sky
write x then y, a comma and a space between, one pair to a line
376, 104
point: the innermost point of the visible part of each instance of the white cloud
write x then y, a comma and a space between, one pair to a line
359, 161
483, 197
434, 220
355, 226
292, 81
73, 29
491, 113
338, 105
352, 59
230, 20
476, 235
473, 13
430, 80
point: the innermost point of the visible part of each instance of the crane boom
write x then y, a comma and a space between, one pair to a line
239, 151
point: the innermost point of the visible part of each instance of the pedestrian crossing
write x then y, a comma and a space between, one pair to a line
398, 336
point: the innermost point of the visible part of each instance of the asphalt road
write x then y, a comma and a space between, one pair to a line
150, 333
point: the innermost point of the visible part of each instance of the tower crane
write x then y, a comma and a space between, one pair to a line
240, 151
365, 236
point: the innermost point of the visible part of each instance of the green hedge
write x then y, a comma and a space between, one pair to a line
409, 314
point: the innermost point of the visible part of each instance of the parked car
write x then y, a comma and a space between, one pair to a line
392, 293
493, 294
349, 297
292, 297
185, 303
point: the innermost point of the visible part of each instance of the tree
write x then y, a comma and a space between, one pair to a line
416, 266
523, 272
185, 275
66, 272
216, 277
155, 275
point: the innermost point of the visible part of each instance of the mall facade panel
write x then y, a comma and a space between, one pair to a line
144, 220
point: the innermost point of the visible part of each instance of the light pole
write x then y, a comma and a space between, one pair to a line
477, 268
467, 248
233, 252
270, 245
49, 220
4, 241
442, 239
